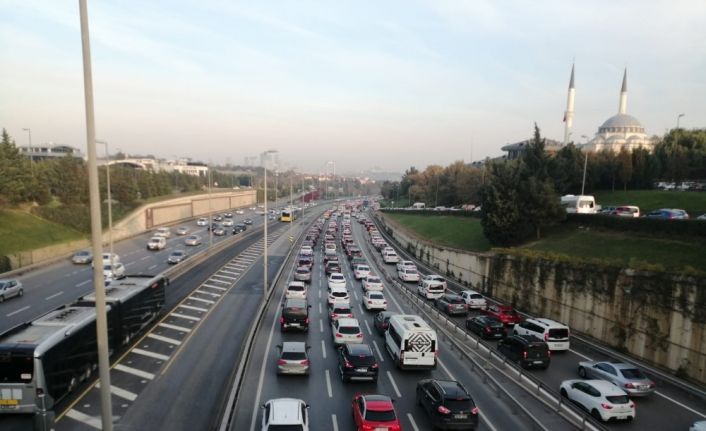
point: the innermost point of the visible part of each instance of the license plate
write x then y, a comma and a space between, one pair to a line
294, 324
361, 370
381, 429
9, 402
460, 416
537, 362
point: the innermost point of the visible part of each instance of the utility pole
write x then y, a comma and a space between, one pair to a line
31, 153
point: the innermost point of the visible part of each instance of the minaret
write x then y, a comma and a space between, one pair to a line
623, 107
569, 113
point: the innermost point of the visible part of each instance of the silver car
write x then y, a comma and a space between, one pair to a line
10, 287
176, 256
293, 358
627, 377
303, 273
183, 230
193, 240
82, 257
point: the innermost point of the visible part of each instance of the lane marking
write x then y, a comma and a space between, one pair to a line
120, 392
219, 281
134, 371
334, 420
227, 277
54, 295
150, 354
377, 349
83, 283
230, 272
152, 267
412, 422
367, 326
446, 370
361, 310
92, 421
178, 328
215, 287
165, 339
328, 384
323, 348
320, 310
207, 301
19, 310
184, 316
145, 258
394, 385
203, 292
190, 307
321, 326
680, 404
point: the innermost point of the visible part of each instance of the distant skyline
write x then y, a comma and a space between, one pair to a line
368, 84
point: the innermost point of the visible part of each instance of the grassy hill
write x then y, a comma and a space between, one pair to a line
693, 202
20, 230
464, 233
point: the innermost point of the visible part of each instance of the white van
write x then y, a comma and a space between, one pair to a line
555, 334
156, 243
411, 342
581, 204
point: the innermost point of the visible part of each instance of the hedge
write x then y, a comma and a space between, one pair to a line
431, 212
652, 226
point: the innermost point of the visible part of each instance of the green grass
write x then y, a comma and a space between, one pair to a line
464, 233
22, 231
693, 202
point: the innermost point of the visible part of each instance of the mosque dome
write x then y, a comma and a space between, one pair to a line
621, 123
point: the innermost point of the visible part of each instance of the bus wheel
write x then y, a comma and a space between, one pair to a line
72, 384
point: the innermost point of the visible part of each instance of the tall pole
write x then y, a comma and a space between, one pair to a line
110, 199
265, 218
585, 164
678, 118
436, 199
210, 210
96, 240
31, 154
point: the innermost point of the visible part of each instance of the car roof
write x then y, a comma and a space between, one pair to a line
452, 389
359, 349
347, 321
546, 322
295, 302
378, 402
285, 411
606, 387
296, 283
294, 346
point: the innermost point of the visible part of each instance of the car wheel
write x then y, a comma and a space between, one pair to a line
563, 393
2, 298
21, 292
582, 372
596, 415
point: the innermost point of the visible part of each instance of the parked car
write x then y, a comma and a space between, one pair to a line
474, 299
295, 315
82, 257
176, 256
192, 240
357, 362
9, 288
293, 358
527, 351
381, 321
346, 330
374, 300
451, 303
601, 398
285, 414
372, 282
182, 230
626, 376
375, 412
448, 404
504, 313
486, 327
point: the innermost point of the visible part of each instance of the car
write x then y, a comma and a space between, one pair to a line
192, 240
295, 315
336, 279
434, 280
285, 414
408, 275
381, 321
474, 299
240, 227
156, 243
375, 412
361, 271
451, 304
82, 257
228, 223
346, 330
504, 313
338, 294
668, 213
405, 264
202, 222
219, 231
176, 256
430, 290
626, 376
303, 273
555, 334
228, 215
626, 211
339, 310
293, 358
527, 351
163, 231
295, 289
218, 217
213, 226
702, 217
357, 362
358, 261
372, 282
108, 258
115, 271
9, 288
306, 250
601, 398
239, 212
447, 404
374, 300
698, 426
182, 230
390, 257
486, 327
247, 221
306, 261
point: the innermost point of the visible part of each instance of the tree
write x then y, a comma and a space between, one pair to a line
566, 168
500, 213
624, 164
15, 176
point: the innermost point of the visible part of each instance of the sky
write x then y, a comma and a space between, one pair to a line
368, 84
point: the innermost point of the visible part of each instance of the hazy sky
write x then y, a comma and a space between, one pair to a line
385, 84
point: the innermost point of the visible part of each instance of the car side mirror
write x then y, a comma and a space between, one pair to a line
308, 306
279, 346
262, 406
308, 347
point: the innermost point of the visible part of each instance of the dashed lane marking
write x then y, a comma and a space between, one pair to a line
175, 327
54, 295
165, 339
83, 283
335, 422
134, 371
377, 349
151, 267
323, 348
328, 384
184, 316
394, 385
412, 422
150, 354
19, 310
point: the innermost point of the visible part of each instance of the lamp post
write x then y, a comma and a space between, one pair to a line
210, 210
436, 198
31, 155
265, 285
110, 199
585, 165
678, 118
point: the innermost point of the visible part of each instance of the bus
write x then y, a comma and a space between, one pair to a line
289, 215
58, 352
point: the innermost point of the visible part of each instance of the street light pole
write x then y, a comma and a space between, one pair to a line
265, 285
210, 210
31, 155
110, 199
678, 118
585, 165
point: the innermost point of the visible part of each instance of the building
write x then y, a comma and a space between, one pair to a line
184, 166
515, 151
49, 150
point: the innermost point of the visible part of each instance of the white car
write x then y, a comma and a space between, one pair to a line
433, 279
346, 330
474, 299
306, 250
156, 243
163, 232
336, 279
114, 271
338, 294
408, 275
374, 300
361, 271
285, 413
430, 291
404, 264
182, 230
228, 222
601, 398
239, 212
10, 287
372, 282
390, 257
295, 289
202, 222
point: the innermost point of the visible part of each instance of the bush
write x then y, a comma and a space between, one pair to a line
5, 264
653, 226
75, 216
431, 212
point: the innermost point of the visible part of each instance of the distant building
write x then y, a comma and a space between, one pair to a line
515, 151
184, 166
49, 150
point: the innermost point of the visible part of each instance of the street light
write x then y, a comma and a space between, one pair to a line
110, 199
585, 165
31, 156
678, 118
265, 155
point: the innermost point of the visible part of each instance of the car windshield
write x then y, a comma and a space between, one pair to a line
294, 356
339, 294
559, 333
633, 374
348, 329
376, 296
618, 399
342, 310
296, 287
457, 406
361, 360
274, 427
380, 416
476, 296
455, 300
373, 280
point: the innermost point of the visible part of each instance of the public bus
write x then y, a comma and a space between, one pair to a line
289, 215
58, 352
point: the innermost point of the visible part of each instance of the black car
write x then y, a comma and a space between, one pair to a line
357, 362
295, 315
333, 266
239, 228
486, 326
448, 404
247, 221
526, 350
382, 321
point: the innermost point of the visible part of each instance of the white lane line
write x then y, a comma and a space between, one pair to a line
319, 294
129, 263
203, 292
680, 404
54, 295
227, 277
175, 327
120, 392
239, 265
356, 295
320, 310
446, 370
394, 385
214, 287
165, 339
145, 258
150, 354
328, 384
580, 354
334, 421
219, 281
184, 316
19, 310
92, 421
229, 272
361, 310
412, 422
189, 307
151, 267
367, 326
83, 283
134, 371
323, 348
321, 327
377, 349
207, 301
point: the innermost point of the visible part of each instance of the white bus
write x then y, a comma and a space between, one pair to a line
411, 342
581, 204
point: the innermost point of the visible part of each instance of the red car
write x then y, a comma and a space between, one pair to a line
503, 313
371, 412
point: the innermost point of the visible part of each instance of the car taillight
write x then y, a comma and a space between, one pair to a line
475, 411
436, 353
631, 405
450, 307
347, 364
629, 385
606, 406
370, 302
359, 335
443, 410
281, 320
487, 329
524, 354
305, 362
652, 384
374, 366
546, 336
281, 362
306, 321
338, 335
549, 353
